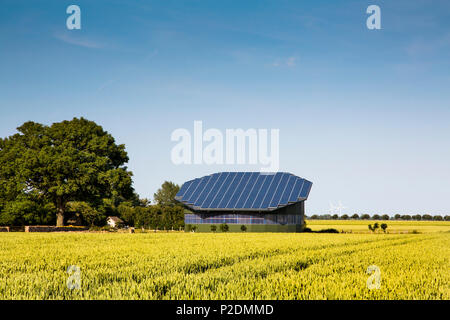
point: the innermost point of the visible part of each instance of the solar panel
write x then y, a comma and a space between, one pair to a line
231, 190
293, 197
183, 189
246, 190
237, 192
243, 191
278, 192
207, 189
195, 191
220, 193
193, 185
305, 190
213, 191
263, 191
287, 191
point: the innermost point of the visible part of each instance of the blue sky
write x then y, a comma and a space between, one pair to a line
363, 114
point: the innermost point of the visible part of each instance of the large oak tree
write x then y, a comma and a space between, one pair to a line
68, 161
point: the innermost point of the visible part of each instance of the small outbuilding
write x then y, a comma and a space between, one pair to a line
114, 222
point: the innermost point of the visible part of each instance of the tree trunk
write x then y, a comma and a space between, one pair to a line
60, 213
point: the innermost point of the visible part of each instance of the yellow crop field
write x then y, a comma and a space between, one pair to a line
361, 226
224, 265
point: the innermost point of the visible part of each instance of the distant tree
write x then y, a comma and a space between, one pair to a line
127, 212
385, 217
438, 218
373, 227
427, 217
417, 217
344, 217
355, 216
72, 160
384, 227
165, 196
314, 217
447, 218
397, 217
365, 217
213, 228
406, 217
376, 217
243, 228
26, 209
335, 217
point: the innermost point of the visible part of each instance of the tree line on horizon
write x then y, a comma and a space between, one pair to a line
406, 217
74, 171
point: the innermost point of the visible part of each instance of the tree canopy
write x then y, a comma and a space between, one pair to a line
165, 196
53, 165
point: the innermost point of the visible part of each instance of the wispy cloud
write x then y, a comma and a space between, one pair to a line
78, 41
287, 62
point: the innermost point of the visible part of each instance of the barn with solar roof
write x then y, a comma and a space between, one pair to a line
263, 202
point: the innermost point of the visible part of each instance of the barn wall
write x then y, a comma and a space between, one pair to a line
294, 209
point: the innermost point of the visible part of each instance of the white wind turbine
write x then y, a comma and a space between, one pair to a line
332, 209
340, 207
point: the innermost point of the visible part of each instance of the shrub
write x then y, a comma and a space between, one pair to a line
307, 230
108, 228
331, 230
224, 227
188, 227
243, 228
384, 227
374, 227
213, 228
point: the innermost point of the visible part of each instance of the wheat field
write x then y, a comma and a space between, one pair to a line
224, 265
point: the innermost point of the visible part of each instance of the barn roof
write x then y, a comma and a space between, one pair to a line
115, 219
243, 191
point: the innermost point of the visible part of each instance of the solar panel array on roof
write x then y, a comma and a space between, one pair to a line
253, 191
